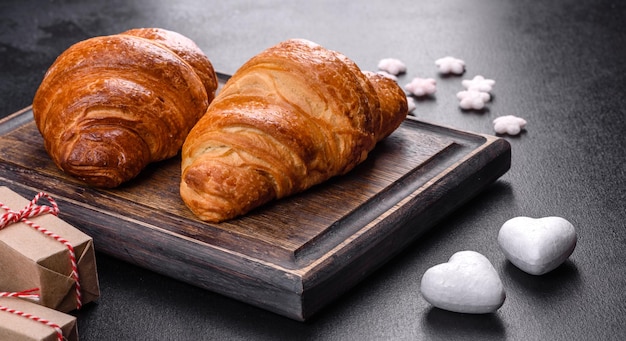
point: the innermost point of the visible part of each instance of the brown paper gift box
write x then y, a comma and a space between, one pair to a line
16, 328
30, 259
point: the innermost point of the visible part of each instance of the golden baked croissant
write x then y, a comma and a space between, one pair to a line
108, 106
291, 117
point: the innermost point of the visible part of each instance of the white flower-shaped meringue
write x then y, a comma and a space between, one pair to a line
472, 99
450, 65
509, 124
421, 86
479, 83
392, 65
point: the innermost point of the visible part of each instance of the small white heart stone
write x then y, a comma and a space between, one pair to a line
467, 283
537, 246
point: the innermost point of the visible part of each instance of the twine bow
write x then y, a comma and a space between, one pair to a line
33, 210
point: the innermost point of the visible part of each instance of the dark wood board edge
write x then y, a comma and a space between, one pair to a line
14, 120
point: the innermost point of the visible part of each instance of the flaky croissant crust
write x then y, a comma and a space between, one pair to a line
110, 105
291, 117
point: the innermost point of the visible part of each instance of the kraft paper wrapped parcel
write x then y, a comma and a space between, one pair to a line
31, 259
15, 327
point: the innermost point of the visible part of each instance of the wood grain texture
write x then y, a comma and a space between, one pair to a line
292, 257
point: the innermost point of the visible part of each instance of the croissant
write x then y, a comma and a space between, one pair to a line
290, 118
108, 106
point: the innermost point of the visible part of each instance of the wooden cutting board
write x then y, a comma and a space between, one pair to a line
291, 257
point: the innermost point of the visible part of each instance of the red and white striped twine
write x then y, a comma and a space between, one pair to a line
30, 294
33, 210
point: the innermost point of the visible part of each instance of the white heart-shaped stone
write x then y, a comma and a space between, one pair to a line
467, 283
537, 246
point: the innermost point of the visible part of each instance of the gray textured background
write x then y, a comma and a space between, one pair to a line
559, 64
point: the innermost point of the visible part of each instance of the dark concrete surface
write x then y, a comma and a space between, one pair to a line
558, 64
